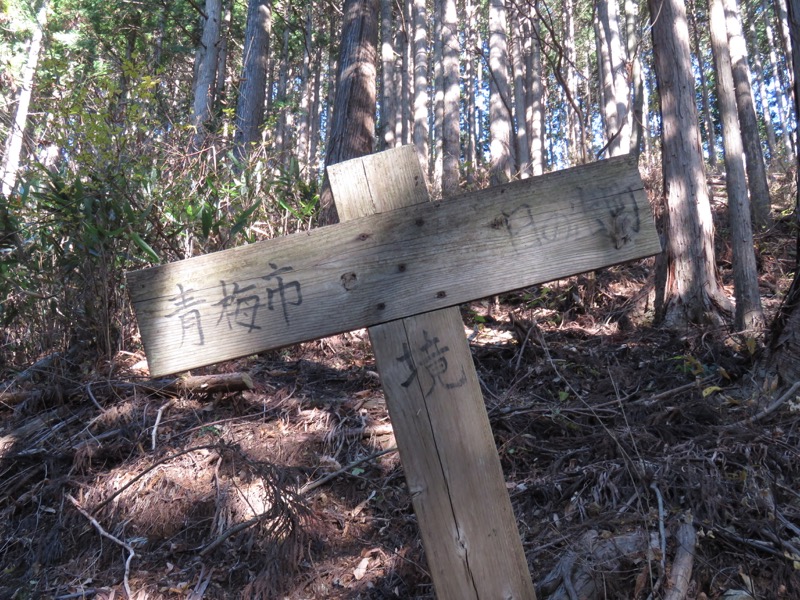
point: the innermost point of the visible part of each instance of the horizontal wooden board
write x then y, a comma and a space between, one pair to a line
391, 265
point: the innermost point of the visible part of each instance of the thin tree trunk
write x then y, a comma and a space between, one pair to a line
574, 137
759, 85
633, 31
748, 313
614, 81
777, 85
691, 289
353, 123
521, 75
437, 165
206, 65
406, 76
314, 131
13, 147
388, 89
421, 82
252, 90
451, 142
222, 56
535, 100
499, 96
282, 95
760, 204
331, 78
471, 153
304, 113
708, 123
786, 43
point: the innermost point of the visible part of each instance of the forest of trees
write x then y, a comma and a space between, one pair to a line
144, 132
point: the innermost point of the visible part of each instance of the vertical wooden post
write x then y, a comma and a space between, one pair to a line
439, 418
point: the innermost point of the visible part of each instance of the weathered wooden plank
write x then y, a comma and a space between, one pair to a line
391, 265
438, 416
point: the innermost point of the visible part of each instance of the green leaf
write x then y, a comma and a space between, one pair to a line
146, 248
243, 219
206, 219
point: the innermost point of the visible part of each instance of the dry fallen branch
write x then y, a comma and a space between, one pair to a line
116, 540
221, 383
769, 410
681, 575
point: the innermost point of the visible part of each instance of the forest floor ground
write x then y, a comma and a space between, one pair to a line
612, 434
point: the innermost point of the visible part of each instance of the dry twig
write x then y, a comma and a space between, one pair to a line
116, 540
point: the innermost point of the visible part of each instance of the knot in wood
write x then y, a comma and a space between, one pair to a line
349, 281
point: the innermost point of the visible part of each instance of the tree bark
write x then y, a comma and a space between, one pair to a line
388, 85
471, 37
615, 84
437, 166
421, 82
206, 66
784, 348
692, 293
451, 142
222, 55
523, 148
535, 97
16, 134
748, 313
252, 90
758, 82
760, 204
708, 123
499, 96
352, 127
777, 85
633, 35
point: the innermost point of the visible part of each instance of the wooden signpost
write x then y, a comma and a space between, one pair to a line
400, 265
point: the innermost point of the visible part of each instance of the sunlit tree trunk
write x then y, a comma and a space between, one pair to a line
470, 72
304, 112
421, 82
615, 85
206, 68
758, 83
708, 123
499, 95
451, 142
523, 149
748, 313
314, 120
353, 123
222, 55
406, 74
786, 43
535, 96
331, 77
388, 87
438, 100
252, 89
633, 35
575, 153
781, 104
282, 134
692, 293
13, 146
760, 204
